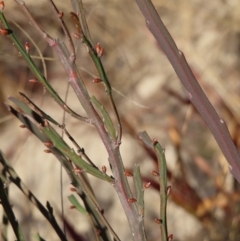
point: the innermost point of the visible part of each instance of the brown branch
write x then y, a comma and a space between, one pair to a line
196, 95
120, 184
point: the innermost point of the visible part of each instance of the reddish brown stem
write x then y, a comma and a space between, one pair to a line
120, 184
196, 95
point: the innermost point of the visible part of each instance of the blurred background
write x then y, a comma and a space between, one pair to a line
205, 201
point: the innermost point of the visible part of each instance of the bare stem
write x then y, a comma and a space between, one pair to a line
196, 95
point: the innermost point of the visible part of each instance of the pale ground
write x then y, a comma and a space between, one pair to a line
208, 34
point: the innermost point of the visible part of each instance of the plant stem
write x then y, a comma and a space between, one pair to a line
9, 212
18, 182
162, 175
196, 95
37, 72
120, 183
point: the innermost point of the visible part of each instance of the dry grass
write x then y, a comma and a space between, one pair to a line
154, 100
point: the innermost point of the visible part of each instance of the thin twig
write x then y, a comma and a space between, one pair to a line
35, 45
40, 77
101, 71
79, 11
9, 212
65, 29
5, 221
18, 182
162, 175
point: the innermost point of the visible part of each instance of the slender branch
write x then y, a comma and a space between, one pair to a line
65, 29
162, 167
9, 212
49, 118
120, 182
96, 58
35, 69
162, 175
41, 57
79, 10
55, 140
5, 221
18, 182
196, 95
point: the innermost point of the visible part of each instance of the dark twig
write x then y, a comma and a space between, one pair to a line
18, 182
78, 180
9, 212
5, 221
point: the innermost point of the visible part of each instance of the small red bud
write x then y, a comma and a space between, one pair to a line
77, 170
46, 123
77, 35
97, 80
147, 185
154, 173
154, 141
27, 46
47, 151
48, 144
128, 174
157, 220
34, 81
98, 232
72, 189
22, 126
4, 31
104, 169
60, 14
72, 207
2, 5
99, 50
170, 237
132, 200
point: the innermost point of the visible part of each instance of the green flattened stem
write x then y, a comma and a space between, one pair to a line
160, 152
99, 66
36, 71
57, 141
106, 118
79, 9
62, 146
25, 108
73, 200
139, 189
153, 144
80, 182
9, 212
